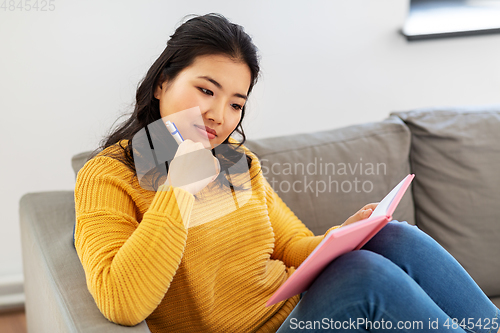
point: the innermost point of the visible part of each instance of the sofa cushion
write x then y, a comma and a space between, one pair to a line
455, 156
325, 177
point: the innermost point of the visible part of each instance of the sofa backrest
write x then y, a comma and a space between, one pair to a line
455, 156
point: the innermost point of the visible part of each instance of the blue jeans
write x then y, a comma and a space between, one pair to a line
400, 281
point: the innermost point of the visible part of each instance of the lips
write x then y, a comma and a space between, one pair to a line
207, 129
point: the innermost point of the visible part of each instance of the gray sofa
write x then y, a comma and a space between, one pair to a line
324, 177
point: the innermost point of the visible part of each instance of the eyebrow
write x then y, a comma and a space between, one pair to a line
217, 84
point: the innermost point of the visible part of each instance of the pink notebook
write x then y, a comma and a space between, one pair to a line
340, 241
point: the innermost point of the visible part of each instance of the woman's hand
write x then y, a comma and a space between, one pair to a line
361, 214
193, 167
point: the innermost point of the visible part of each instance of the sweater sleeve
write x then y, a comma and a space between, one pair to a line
293, 240
128, 265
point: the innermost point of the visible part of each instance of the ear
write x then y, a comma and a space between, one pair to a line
158, 91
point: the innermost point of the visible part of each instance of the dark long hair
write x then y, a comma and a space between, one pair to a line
201, 35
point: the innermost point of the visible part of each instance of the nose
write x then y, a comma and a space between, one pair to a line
215, 113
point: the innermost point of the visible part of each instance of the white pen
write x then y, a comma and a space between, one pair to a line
174, 131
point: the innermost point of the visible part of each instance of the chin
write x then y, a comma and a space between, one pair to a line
209, 146
212, 145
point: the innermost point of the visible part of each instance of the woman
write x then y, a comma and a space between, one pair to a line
184, 257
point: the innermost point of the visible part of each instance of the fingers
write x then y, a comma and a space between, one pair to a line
365, 213
371, 205
361, 214
188, 146
193, 167
367, 210
358, 216
349, 221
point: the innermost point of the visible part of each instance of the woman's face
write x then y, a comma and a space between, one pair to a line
214, 90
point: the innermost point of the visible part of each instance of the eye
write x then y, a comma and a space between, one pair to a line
237, 107
206, 91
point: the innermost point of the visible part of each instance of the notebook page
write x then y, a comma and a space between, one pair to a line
383, 206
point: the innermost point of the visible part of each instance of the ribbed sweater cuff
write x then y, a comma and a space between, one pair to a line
173, 201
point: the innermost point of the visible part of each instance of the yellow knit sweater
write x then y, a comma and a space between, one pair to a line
184, 265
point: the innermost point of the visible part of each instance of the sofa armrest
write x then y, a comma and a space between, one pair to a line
57, 298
